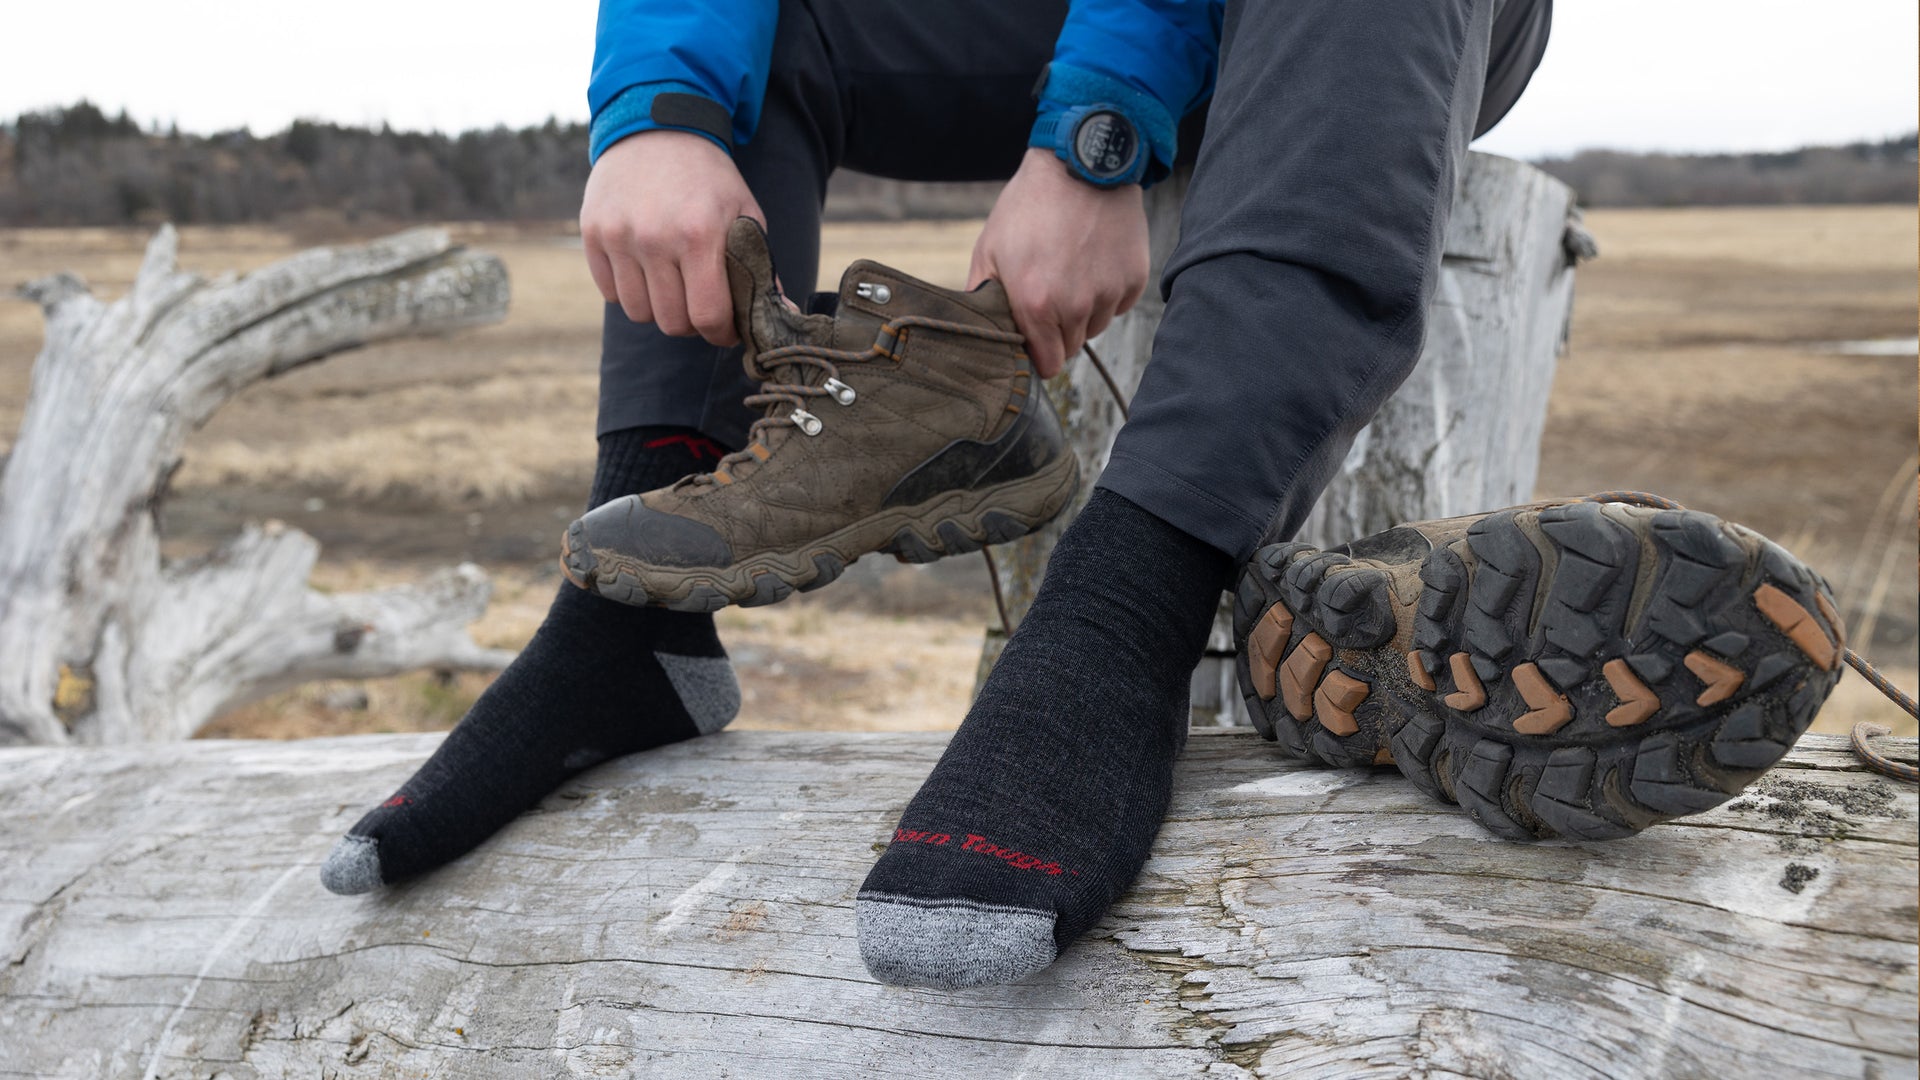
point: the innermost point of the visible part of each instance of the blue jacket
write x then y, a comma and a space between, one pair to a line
1153, 58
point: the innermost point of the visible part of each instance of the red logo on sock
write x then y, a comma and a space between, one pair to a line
911, 836
397, 800
1019, 860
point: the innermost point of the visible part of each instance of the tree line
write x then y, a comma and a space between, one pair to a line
1862, 172
78, 165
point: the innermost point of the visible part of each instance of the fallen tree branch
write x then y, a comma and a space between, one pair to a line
92, 624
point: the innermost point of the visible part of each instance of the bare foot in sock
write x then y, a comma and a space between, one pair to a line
1042, 809
597, 681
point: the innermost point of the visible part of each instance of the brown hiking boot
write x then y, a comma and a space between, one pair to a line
1582, 669
909, 421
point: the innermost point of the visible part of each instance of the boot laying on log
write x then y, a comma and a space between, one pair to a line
1581, 669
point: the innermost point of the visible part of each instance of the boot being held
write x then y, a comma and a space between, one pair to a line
909, 421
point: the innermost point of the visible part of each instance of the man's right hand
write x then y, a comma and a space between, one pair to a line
655, 221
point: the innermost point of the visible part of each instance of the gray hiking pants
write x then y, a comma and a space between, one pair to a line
1310, 240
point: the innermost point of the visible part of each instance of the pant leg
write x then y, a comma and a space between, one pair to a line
1310, 243
896, 88
1520, 29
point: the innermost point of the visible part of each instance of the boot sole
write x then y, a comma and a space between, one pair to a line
951, 524
1584, 670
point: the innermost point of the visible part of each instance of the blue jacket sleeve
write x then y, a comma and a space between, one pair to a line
1153, 58
719, 50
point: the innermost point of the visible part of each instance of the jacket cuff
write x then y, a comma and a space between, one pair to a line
1063, 86
651, 106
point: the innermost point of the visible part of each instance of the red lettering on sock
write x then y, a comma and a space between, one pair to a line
1019, 860
915, 836
397, 800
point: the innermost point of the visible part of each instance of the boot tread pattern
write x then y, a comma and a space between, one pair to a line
1584, 670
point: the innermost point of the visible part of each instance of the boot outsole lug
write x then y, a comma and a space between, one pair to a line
907, 546
1001, 528
767, 589
827, 568
1556, 588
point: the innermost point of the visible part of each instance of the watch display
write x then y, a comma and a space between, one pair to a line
1105, 145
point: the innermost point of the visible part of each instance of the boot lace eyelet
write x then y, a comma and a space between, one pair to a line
841, 392
808, 423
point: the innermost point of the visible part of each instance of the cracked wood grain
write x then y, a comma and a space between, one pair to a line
161, 907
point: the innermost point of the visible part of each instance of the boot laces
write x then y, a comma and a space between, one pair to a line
782, 382
783, 379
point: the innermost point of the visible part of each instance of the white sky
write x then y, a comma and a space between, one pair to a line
1633, 74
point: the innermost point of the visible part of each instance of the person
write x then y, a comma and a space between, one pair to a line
1311, 238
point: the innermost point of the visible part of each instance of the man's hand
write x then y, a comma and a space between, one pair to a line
655, 221
1071, 256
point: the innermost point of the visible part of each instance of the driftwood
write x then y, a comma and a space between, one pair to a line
1461, 435
99, 641
689, 913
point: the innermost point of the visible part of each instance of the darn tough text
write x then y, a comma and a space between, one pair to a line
1019, 860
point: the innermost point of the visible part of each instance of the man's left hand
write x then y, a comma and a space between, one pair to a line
1072, 256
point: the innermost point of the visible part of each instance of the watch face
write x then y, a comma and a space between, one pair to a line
1105, 144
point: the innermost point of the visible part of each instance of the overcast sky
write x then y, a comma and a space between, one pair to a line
1634, 74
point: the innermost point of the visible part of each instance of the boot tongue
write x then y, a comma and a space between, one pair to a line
761, 315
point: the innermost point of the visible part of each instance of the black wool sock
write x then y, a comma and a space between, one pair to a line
598, 680
1042, 809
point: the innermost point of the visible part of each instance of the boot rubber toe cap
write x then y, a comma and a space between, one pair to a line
652, 537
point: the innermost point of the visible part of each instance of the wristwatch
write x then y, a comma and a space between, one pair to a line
1098, 143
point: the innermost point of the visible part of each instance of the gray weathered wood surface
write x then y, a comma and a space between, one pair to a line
1461, 435
100, 641
688, 913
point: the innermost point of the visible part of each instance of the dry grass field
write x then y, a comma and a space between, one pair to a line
1704, 364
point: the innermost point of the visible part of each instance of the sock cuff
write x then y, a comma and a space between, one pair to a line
1156, 538
636, 459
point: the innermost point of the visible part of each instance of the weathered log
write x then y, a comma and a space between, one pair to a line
1461, 435
100, 641
689, 913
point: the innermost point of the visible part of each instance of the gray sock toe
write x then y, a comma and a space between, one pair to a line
951, 943
353, 867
